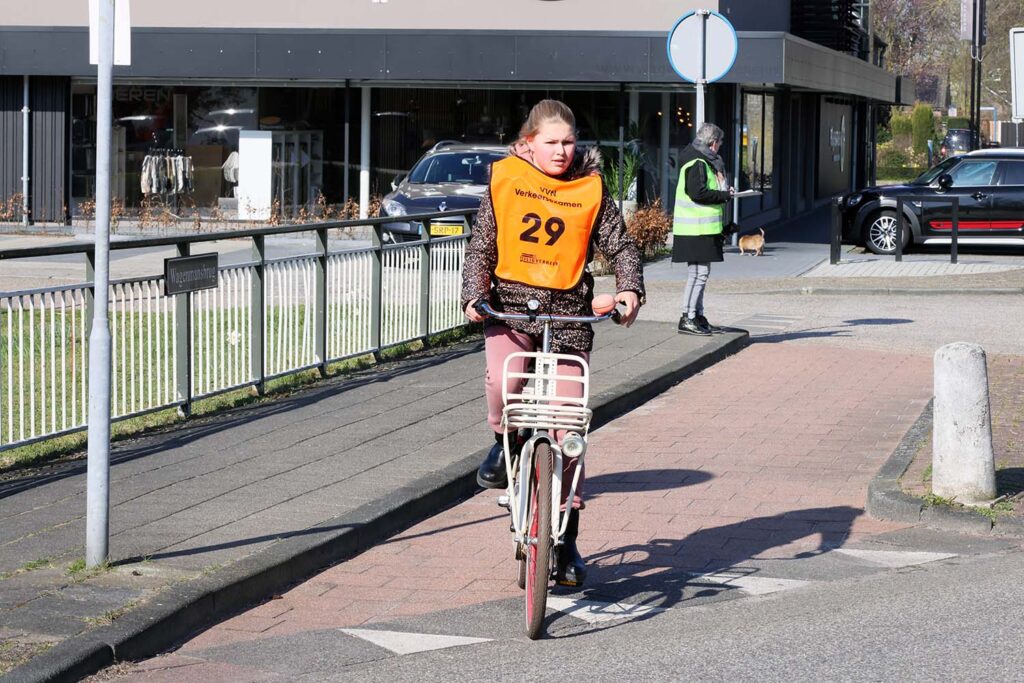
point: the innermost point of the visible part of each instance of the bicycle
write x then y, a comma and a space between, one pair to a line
535, 414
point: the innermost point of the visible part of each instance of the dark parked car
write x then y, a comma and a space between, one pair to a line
450, 176
958, 141
989, 185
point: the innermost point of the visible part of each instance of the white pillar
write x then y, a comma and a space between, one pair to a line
97, 525
666, 103
963, 464
364, 153
24, 156
737, 142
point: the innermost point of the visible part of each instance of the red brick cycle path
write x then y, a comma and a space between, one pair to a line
759, 457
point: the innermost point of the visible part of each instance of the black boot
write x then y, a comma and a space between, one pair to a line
691, 326
570, 569
491, 474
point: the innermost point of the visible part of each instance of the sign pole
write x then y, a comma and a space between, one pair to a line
702, 49
98, 477
974, 53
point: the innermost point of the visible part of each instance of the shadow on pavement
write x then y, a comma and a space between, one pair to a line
826, 332
186, 552
643, 480
1009, 481
667, 572
402, 537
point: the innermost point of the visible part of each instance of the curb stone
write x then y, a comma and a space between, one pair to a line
889, 291
886, 500
180, 610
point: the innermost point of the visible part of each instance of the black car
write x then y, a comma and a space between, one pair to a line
449, 177
989, 185
958, 141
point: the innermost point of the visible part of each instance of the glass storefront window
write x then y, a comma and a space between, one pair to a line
757, 149
751, 138
407, 122
199, 123
308, 164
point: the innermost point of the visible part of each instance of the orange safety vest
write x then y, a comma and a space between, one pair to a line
544, 224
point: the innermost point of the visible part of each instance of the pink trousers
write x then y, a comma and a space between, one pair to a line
499, 342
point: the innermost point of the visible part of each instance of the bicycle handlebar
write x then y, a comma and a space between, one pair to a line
485, 309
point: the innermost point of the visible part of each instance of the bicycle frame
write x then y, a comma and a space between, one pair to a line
539, 409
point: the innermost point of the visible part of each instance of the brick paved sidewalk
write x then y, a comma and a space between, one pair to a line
766, 455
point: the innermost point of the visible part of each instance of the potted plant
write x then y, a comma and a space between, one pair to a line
632, 163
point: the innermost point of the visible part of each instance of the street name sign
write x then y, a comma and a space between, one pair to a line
185, 274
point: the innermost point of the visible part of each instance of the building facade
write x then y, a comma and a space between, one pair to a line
350, 94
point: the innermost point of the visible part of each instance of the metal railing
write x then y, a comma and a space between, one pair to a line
835, 242
266, 318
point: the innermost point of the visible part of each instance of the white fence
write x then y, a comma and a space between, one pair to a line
266, 318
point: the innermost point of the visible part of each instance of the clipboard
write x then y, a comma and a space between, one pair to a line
747, 193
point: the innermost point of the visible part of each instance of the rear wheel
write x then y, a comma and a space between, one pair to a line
521, 574
880, 233
538, 552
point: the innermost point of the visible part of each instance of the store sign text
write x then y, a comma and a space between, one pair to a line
137, 93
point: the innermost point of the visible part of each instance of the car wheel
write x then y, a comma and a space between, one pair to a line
880, 233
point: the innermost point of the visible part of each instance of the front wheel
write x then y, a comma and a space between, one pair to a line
538, 551
880, 233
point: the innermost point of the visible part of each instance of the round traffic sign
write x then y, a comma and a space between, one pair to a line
720, 46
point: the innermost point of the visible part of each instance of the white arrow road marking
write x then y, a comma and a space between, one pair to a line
596, 612
752, 585
894, 558
409, 643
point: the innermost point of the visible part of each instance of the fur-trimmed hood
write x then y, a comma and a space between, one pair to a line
584, 163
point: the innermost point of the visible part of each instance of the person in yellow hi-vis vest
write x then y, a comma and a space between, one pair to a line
698, 221
544, 212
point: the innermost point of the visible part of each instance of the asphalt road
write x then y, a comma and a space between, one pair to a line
958, 619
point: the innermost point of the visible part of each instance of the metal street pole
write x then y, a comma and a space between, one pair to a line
24, 155
974, 52
702, 81
977, 102
622, 142
98, 478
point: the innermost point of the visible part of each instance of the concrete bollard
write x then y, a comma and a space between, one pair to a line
963, 466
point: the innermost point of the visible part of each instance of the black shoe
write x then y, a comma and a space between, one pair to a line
570, 569
690, 326
703, 323
491, 474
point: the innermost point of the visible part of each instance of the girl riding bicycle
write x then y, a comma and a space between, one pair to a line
543, 213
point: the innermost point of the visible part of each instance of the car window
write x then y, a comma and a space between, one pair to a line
472, 168
971, 173
1013, 173
934, 172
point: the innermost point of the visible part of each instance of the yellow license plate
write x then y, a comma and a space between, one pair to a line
445, 229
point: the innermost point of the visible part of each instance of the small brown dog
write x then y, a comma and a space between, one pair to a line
755, 243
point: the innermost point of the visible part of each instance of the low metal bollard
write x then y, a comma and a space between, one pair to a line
901, 221
837, 232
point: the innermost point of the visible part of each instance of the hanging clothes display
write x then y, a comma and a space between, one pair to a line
166, 171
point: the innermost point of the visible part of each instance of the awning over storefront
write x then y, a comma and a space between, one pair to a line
481, 56
784, 59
